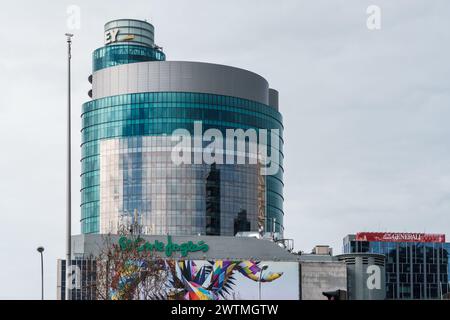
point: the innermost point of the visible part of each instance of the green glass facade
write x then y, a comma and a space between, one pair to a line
147, 114
124, 171
117, 54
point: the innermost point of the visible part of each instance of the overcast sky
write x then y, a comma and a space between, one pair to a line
366, 112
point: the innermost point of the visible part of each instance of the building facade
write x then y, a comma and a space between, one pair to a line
366, 276
417, 265
82, 279
138, 100
211, 268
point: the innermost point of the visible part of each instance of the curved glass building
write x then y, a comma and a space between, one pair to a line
138, 100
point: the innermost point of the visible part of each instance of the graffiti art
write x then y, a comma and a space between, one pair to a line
192, 280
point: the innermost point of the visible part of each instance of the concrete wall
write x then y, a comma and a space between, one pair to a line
318, 277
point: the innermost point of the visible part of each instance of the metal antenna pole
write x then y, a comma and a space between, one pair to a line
69, 173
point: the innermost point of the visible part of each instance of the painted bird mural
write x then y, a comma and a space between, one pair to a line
214, 280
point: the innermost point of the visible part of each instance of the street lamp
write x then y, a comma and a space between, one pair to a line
263, 267
41, 250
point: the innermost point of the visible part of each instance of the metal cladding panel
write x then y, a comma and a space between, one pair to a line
186, 75
142, 77
106, 81
131, 70
94, 85
164, 77
180, 76
123, 81
273, 98
176, 76
114, 80
153, 73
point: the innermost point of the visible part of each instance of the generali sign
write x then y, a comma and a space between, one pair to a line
399, 237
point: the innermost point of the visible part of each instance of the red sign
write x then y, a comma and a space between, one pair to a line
399, 237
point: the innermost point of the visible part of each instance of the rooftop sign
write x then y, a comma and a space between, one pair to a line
112, 36
399, 237
168, 248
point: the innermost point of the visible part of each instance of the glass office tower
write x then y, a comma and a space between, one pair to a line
138, 100
416, 267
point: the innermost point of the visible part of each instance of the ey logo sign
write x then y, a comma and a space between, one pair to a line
111, 36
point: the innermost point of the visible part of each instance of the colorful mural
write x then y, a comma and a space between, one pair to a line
215, 280
197, 280
125, 280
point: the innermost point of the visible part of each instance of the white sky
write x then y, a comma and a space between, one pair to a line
365, 112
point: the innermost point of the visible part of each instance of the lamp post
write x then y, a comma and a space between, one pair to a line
264, 267
69, 166
41, 251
